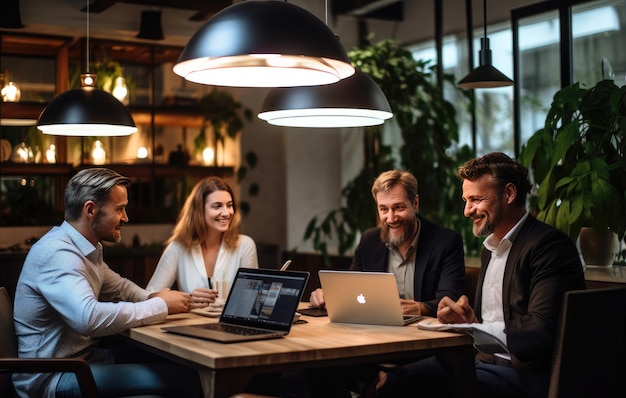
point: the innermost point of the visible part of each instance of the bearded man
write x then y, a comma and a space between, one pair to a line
426, 259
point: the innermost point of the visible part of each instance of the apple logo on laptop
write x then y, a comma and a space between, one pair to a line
361, 298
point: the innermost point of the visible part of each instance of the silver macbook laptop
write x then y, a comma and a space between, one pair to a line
261, 305
363, 297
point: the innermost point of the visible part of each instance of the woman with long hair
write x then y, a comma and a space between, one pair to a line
206, 249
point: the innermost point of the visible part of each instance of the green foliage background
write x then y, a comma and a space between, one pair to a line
430, 150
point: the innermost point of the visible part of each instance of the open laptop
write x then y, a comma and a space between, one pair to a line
363, 297
261, 305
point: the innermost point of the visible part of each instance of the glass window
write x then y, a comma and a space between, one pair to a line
539, 69
494, 110
598, 54
598, 42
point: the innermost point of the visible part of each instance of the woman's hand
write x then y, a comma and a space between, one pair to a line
317, 298
202, 297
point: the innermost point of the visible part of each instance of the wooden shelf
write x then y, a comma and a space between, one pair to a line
129, 170
21, 110
17, 43
165, 170
168, 116
142, 115
148, 203
19, 169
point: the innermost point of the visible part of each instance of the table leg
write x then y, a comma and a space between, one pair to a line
223, 383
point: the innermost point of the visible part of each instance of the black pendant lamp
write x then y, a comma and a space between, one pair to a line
264, 44
356, 101
150, 27
10, 14
86, 111
486, 75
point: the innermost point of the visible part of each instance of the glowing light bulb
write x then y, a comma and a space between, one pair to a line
11, 92
120, 90
98, 154
51, 154
142, 152
207, 156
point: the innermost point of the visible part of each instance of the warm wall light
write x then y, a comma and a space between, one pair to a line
51, 154
208, 155
486, 75
98, 154
86, 111
142, 152
356, 101
11, 92
120, 90
264, 44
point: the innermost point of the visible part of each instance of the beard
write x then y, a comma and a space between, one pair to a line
99, 226
483, 230
489, 221
399, 235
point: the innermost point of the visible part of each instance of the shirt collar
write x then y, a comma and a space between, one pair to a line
82, 243
492, 243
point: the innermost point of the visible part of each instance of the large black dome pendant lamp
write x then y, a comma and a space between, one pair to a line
86, 111
486, 75
356, 101
267, 43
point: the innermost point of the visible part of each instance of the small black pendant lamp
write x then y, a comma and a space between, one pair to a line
486, 75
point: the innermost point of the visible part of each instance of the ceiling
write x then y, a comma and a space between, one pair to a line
205, 9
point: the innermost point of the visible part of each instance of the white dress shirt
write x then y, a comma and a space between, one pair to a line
492, 312
187, 268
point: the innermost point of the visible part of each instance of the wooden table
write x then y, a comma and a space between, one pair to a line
225, 369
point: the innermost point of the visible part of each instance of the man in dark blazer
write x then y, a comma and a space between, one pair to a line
427, 259
439, 266
526, 267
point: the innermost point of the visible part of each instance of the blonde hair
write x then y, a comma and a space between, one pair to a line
191, 228
389, 179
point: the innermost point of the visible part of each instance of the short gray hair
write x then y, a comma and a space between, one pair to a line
90, 184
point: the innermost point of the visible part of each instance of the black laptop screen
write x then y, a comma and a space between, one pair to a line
264, 298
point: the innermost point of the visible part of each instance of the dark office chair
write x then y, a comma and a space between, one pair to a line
590, 351
10, 363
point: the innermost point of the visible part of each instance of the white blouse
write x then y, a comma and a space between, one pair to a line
187, 268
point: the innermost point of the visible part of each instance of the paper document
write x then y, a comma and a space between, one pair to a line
484, 341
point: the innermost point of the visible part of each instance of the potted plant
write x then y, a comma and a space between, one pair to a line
577, 160
427, 123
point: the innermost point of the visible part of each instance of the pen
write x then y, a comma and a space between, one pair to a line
285, 266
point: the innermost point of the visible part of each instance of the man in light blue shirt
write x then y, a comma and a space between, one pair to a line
67, 298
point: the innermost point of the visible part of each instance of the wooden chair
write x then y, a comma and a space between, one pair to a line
590, 351
10, 363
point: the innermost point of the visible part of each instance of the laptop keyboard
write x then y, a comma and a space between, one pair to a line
240, 330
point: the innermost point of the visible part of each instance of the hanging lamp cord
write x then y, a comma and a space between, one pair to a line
485, 18
88, 36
